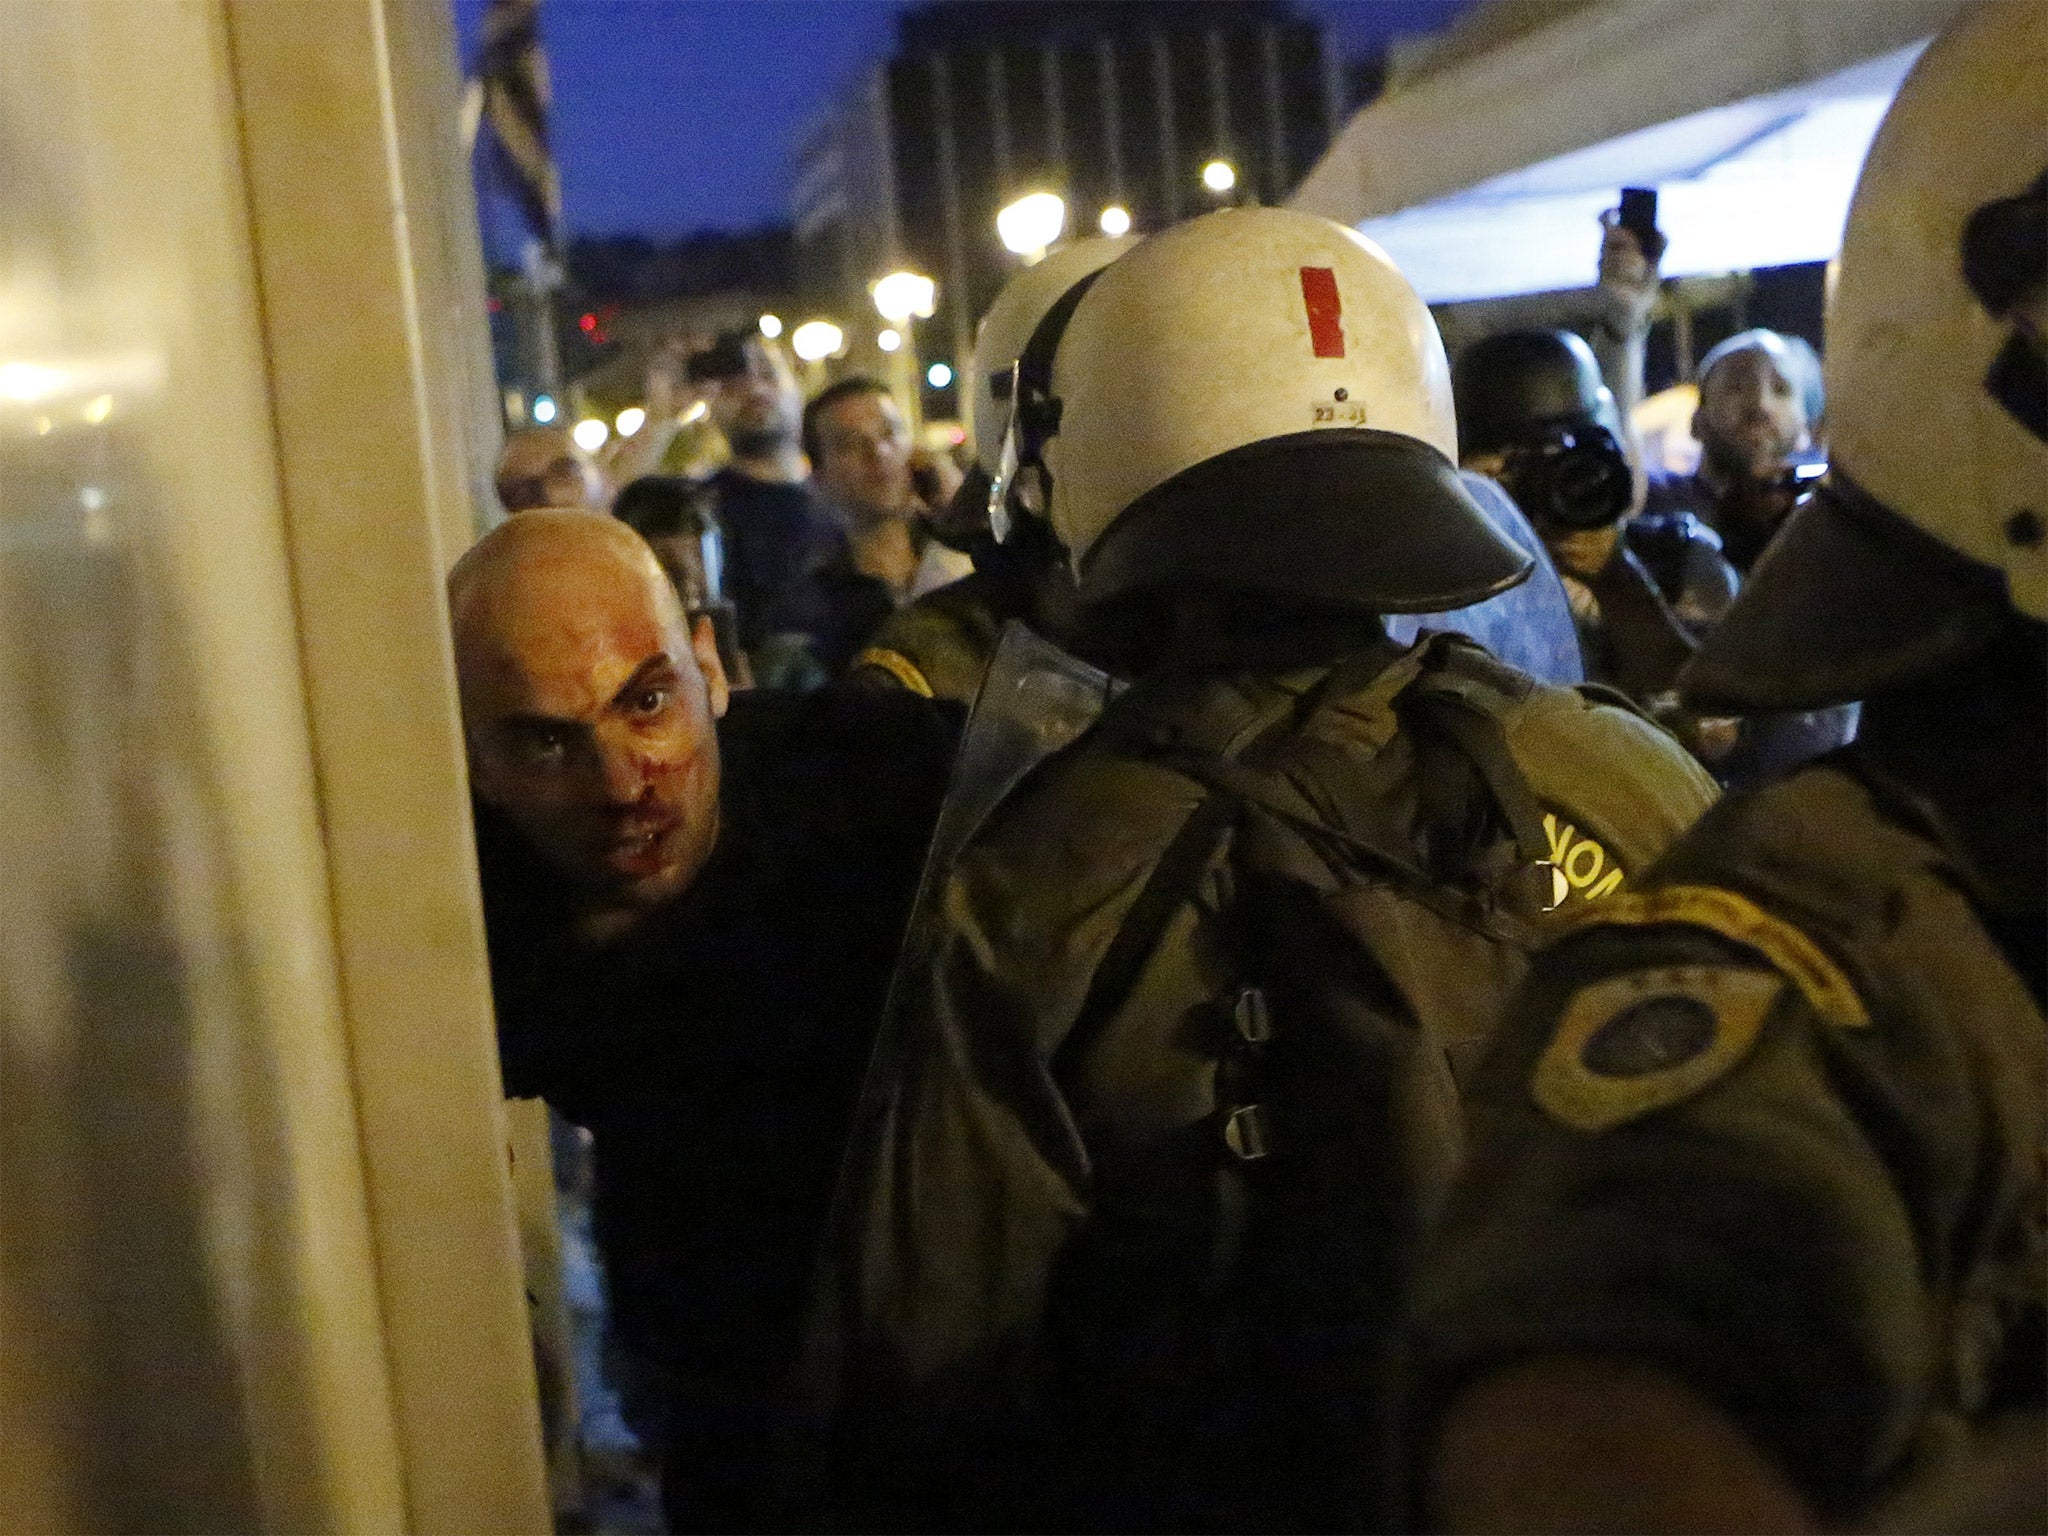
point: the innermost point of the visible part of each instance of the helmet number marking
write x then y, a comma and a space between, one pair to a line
1325, 311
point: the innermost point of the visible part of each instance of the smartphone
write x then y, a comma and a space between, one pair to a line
1639, 218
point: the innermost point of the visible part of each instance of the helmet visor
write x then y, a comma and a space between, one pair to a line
1848, 599
1367, 519
1000, 482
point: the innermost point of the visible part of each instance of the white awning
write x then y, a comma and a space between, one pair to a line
1751, 119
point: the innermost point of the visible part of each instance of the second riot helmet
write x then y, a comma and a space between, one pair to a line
1930, 531
1008, 325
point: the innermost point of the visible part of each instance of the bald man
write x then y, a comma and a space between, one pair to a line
694, 899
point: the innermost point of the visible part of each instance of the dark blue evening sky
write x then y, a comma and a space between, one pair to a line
678, 115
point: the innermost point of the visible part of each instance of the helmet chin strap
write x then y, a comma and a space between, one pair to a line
1023, 483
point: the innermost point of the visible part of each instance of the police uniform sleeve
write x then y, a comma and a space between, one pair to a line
1721, 1161
937, 647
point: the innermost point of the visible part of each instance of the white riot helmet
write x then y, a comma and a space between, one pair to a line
1255, 398
1933, 525
1008, 325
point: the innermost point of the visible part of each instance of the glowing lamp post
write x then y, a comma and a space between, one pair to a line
813, 342
902, 299
1031, 224
816, 340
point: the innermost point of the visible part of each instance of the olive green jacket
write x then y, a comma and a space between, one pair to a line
1027, 1303
1775, 1121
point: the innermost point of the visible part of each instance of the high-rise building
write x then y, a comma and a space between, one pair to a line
1108, 105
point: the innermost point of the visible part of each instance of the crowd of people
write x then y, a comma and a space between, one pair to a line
1201, 974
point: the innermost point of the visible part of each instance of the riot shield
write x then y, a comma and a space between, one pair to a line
1529, 626
1034, 700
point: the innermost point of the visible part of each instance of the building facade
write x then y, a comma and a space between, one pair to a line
1104, 104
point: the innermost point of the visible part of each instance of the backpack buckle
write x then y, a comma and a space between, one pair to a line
1250, 1016
1245, 1133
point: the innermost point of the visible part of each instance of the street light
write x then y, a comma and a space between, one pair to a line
902, 297
1116, 221
938, 375
630, 420
590, 434
816, 340
543, 409
771, 326
1032, 223
1219, 176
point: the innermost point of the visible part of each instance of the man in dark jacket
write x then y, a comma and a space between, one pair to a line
692, 920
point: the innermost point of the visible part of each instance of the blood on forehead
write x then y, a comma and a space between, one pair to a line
569, 657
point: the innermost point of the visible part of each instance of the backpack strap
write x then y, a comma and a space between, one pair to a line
1178, 872
1239, 774
1469, 696
1173, 879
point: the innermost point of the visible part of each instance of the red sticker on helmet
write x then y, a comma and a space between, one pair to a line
1325, 311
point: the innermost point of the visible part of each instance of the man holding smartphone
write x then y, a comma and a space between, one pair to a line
777, 535
1760, 396
1760, 405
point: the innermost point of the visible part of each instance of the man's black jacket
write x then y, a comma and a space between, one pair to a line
714, 1054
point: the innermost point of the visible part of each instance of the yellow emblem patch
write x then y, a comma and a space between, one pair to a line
1645, 1040
1828, 991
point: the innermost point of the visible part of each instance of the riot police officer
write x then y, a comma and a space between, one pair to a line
1753, 1236
1148, 1141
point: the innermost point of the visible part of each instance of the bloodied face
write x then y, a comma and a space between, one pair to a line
589, 703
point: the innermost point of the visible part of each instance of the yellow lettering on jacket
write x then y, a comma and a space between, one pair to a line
1582, 861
